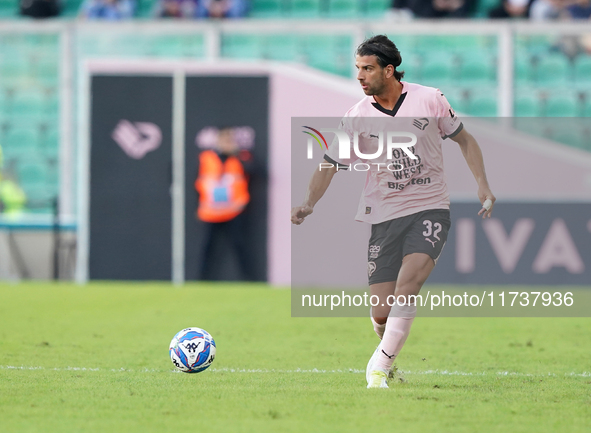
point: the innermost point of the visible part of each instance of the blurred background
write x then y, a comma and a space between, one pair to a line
71, 71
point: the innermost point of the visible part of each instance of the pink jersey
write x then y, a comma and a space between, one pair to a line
398, 185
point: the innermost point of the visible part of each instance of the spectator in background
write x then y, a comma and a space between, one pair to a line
544, 10
40, 8
436, 8
511, 9
580, 10
176, 9
12, 197
222, 8
108, 10
223, 188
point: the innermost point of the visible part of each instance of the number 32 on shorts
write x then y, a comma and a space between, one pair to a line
429, 226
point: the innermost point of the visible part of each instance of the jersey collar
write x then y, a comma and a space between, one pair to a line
394, 110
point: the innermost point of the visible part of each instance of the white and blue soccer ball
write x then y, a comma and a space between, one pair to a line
192, 350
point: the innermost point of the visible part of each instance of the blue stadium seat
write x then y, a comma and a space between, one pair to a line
526, 106
29, 103
46, 69
266, 8
377, 9
166, 46
4, 103
305, 8
282, 47
242, 46
32, 173
535, 45
71, 8
15, 66
523, 69
437, 70
564, 105
411, 65
457, 98
484, 105
329, 53
343, 8
145, 8
483, 7
8, 9
21, 142
582, 70
553, 70
477, 68
39, 198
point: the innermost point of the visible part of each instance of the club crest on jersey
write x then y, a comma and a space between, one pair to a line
371, 268
421, 123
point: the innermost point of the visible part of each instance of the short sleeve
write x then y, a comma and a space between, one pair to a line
332, 154
447, 120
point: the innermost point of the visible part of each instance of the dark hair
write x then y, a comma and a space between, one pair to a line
385, 50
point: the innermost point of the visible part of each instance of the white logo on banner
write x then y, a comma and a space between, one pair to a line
137, 139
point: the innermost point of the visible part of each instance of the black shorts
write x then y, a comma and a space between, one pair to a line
423, 232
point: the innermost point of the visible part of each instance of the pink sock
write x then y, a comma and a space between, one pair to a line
397, 330
378, 328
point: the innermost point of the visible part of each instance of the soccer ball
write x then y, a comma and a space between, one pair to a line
192, 350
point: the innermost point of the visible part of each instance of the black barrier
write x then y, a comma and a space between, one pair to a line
130, 178
240, 103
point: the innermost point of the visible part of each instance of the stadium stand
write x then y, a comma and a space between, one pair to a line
565, 105
526, 105
376, 8
242, 46
464, 67
582, 70
305, 8
483, 104
552, 70
344, 8
267, 8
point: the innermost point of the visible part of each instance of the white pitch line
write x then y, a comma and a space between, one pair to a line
304, 371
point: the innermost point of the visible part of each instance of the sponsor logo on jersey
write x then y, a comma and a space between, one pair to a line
400, 186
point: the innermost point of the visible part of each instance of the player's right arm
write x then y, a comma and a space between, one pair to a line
318, 185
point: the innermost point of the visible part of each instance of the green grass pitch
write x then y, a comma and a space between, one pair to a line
95, 359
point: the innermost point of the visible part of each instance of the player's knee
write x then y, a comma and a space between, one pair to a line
380, 320
411, 284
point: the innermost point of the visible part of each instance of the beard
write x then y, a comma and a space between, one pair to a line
375, 88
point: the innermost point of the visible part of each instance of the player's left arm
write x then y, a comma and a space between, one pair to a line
473, 155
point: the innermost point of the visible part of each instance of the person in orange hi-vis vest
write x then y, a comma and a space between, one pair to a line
222, 186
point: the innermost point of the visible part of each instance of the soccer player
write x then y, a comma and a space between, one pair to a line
406, 204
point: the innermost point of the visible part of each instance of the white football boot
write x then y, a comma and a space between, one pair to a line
393, 373
378, 379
